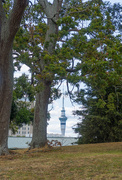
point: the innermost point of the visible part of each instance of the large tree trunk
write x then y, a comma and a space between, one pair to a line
8, 29
39, 138
40, 114
6, 88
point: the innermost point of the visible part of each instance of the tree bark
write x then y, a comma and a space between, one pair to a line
8, 30
39, 138
6, 87
40, 117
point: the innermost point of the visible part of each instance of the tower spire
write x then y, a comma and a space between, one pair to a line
63, 118
63, 101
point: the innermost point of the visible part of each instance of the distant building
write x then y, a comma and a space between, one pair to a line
26, 130
63, 119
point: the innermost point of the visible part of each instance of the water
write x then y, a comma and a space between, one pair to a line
23, 142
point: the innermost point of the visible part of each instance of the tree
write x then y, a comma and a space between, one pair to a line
101, 72
101, 119
51, 62
39, 138
9, 25
23, 97
39, 34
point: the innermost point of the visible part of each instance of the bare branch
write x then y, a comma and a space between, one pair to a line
72, 70
16, 54
51, 108
69, 93
59, 85
61, 40
72, 63
76, 30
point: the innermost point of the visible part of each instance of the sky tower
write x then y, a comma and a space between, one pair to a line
63, 119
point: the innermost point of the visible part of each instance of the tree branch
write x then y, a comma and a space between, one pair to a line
16, 55
72, 70
16, 16
1, 11
69, 92
46, 6
61, 40
2, 16
76, 30
52, 11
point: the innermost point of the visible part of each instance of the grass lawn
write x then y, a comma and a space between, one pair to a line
81, 162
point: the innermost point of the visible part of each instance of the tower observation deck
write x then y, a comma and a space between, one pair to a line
63, 119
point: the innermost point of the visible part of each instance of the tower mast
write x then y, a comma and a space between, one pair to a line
63, 118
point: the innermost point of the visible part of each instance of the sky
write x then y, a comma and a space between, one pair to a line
54, 123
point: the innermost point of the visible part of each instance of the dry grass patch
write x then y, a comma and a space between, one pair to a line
94, 161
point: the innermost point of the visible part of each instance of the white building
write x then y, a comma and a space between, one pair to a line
26, 130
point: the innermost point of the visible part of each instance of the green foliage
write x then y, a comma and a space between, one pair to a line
20, 113
23, 88
101, 71
31, 46
115, 12
23, 95
24, 115
101, 118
